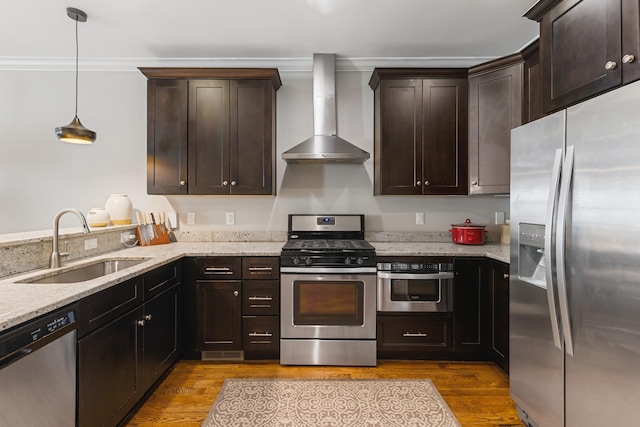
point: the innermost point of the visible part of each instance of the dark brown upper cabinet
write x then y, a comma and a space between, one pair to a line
495, 107
420, 131
587, 47
211, 130
532, 108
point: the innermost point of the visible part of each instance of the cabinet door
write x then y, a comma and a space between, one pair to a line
252, 135
468, 316
495, 107
219, 315
209, 143
630, 40
166, 136
579, 38
261, 337
161, 334
108, 384
417, 336
499, 312
532, 96
399, 148
444, 143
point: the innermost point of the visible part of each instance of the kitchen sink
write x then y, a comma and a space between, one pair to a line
87, 272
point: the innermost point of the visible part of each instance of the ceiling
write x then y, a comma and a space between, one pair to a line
400, 30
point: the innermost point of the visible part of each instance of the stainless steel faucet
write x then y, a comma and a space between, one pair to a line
54, 261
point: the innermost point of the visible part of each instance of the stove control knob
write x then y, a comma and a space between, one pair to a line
307, 261
347, 261
360, 261
296, 260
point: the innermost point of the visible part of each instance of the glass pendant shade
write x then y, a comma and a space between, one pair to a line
75, 132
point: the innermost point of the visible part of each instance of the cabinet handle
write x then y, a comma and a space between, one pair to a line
610, 65
628, 58
147, 317
233, 183
505, 275
261, 269
260, 334
260, 298
260, 306
236, 293
183, 182
140, 322
217, 270
414, 334
225, 182
474, 183
418, 182
427, 183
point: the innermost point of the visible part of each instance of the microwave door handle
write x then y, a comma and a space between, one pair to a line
561, 231
548, 246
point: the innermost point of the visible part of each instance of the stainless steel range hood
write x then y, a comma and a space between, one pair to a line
324, 146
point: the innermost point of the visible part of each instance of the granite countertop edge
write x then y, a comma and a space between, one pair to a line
21, 302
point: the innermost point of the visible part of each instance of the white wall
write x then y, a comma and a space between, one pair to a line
40, 175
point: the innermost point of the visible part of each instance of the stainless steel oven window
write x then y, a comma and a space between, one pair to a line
328, 302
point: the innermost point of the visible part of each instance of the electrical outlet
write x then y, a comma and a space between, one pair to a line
90, 244
127, 237
191, 218
420, 218
499, 220
230, 218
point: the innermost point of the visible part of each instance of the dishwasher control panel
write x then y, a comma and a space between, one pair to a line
35, 330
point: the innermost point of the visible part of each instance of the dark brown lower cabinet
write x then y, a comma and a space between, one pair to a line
469, 320
261, 337
414, 336
219, 315
498, 290
121, 355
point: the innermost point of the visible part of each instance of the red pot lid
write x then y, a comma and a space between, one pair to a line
468, 224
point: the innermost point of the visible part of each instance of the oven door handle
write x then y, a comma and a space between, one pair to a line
415, 276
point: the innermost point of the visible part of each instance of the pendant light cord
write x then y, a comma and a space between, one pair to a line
76, 113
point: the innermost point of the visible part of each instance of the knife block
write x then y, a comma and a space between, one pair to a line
161, 236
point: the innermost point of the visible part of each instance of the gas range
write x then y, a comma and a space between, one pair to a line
329, 241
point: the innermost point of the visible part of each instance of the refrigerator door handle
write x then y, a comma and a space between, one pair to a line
548, 246
563, 206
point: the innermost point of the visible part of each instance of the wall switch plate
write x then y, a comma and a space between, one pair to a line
230, 218
172, 219
499, 218
420, 218
90, 244
191, 218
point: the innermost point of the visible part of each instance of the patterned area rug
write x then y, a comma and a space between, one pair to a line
329, 403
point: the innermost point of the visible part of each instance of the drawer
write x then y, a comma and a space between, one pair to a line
98, 309
414, 332
261, 337
160, 279
223, 268
263, 268
261, 297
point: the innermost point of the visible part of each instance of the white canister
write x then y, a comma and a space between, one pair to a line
98, 217
120, 209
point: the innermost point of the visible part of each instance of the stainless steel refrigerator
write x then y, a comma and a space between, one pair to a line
575, 264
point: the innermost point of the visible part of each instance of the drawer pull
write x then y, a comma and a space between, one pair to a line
260, 298
414, 334
260, 334
260, 342
218, 270
260, 305
261, 269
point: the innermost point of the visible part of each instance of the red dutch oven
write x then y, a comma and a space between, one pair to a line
468, 233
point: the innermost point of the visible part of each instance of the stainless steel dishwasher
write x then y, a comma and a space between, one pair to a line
38, 372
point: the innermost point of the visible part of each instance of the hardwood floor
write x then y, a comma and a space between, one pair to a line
476, 392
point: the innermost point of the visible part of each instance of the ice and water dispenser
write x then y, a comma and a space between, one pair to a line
531, 259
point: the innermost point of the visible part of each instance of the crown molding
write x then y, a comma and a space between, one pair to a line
283, 64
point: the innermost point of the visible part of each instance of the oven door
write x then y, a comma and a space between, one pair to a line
328, 306
411, 292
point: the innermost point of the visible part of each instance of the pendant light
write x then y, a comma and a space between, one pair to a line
74, 132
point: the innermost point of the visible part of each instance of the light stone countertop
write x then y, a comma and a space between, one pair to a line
20, 302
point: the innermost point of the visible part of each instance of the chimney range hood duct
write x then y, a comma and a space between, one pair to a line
324, 146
